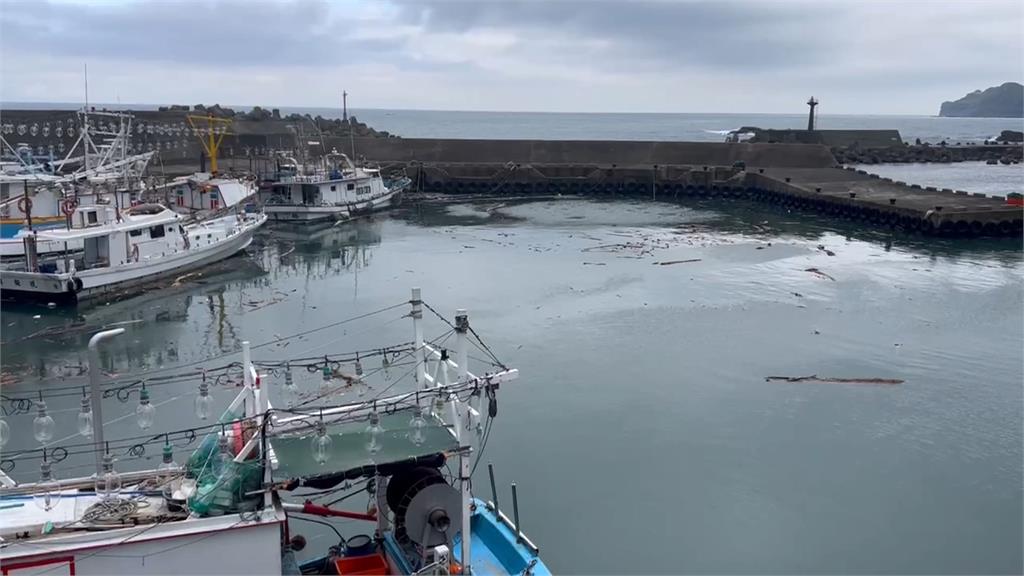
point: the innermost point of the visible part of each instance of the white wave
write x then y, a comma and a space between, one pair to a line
722, 132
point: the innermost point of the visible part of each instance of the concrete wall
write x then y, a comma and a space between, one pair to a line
600, 152
834, 138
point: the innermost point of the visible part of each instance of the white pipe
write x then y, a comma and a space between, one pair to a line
467, 501
96, 394
246, 363
247, 378
461, 343
417, 326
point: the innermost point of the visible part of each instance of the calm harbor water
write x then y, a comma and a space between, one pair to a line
642, 433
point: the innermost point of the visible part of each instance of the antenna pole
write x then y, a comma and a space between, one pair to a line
351, 134
85, 124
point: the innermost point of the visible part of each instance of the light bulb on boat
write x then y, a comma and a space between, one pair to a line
108, 483
439, 407
385, 365
321, 443
42, 425
417, 426
204, 401
374, 430
168, 470
325, 384
224, 457
360, 386
5, 433
85, 417
47, 490
145, 412
289, 383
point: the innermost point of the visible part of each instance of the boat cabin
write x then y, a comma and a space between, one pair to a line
201, 193
144, 232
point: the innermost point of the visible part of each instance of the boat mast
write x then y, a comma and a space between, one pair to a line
85, 118
344, 112
211, 138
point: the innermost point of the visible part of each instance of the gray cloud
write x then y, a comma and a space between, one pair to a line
226, 33
593, 55
733, 35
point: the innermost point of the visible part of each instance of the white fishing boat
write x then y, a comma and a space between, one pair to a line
334, 190
259, 473
202, 194
97, 170
121, 250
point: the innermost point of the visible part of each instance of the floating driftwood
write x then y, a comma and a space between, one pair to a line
816, 378
819, 273
670, 262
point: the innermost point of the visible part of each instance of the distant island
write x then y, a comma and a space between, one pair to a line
1006, 101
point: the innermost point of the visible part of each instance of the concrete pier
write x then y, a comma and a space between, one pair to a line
797, 176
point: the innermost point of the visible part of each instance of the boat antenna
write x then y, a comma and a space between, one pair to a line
351, 137
323, 145
85, 120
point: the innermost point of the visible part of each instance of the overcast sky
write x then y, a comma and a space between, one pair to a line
856, 57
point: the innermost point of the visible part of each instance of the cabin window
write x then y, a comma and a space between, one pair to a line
156, 232
135, 232
170, 229
5, 191
363, 190
334, 188
351, 186
91, 217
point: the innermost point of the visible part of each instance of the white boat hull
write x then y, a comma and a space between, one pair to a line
218, 545
302, 213
70, 287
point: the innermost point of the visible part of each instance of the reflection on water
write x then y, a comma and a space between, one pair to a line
644, 332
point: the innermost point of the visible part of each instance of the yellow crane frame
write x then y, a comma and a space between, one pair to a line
209, 136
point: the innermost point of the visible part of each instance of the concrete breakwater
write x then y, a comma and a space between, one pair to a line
796, 176
995, 152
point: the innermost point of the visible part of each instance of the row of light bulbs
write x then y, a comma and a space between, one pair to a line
321, 443
106, 484
43, 425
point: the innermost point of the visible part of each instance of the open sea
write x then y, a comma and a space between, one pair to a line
643, 434
612, 126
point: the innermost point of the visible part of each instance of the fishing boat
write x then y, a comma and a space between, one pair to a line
333, 190
402, 463
202, 194
97, 170
122, 250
